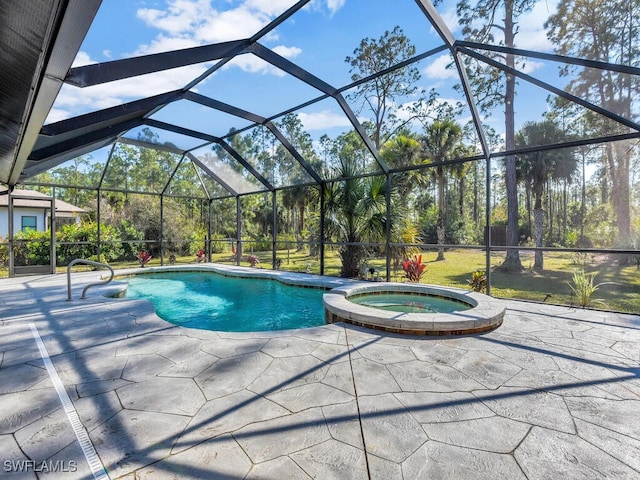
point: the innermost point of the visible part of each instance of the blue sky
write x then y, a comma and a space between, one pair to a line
317, 38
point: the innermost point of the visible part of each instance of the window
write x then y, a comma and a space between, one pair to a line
29, 222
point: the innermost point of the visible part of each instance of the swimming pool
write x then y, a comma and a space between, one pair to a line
211, 301
410, 303
380, 306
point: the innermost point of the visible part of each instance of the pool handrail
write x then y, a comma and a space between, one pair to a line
93, 284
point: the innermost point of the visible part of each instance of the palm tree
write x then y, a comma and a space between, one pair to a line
355, 212
404, 151
296, 199
537, 168
401, 151
441, 140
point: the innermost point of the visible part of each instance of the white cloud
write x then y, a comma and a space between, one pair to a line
56, 115
183, 24
531, 32
335, 5
181, 15
198, 20
332, 6
252, 64
323, 120
73, 101
450, 19
530, 66
272, 8
82, 58
287, 52
163, 43
438, 70
233, 24
190, 23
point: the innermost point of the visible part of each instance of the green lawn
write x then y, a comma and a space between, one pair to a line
550, 285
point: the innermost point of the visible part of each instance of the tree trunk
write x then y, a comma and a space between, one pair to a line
301, 207
441, 237
351, 256
583, 200
550, 209
538, 228
512, 259
476, 212
528, 208
565, 188
440, 227
461, 197
619, 169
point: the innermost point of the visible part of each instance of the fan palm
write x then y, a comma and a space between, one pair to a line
441, 140
535, 169
355, 212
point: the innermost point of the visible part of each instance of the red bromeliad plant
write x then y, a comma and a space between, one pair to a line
414, 269
253, 260
144, 257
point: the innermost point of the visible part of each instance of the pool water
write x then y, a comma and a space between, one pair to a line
409, 303
211, 301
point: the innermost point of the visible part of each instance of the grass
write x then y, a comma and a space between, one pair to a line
551, 285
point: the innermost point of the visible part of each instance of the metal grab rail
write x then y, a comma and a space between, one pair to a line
89, 262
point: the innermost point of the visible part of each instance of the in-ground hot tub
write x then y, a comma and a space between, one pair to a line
401, 311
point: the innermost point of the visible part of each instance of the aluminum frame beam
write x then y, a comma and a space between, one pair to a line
583, 62
211, 139
109, 132
99, 73
258, 120
310, 79
254, 38
224, 107
213, 175
136, 108
550, 88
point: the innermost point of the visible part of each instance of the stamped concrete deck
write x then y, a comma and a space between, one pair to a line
552, 393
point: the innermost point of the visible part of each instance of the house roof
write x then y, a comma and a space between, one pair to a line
38, 200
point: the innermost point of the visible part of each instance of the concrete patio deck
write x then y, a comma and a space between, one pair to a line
553, 393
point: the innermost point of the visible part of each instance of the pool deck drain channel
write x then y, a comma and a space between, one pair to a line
97, 469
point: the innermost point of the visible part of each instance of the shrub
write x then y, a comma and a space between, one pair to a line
33, 247
80, 241
4, 253
478, 281
583, 287
128, 231
253, 260
414, 269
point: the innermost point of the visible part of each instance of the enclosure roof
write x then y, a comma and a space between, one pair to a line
243, 76
39, 43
